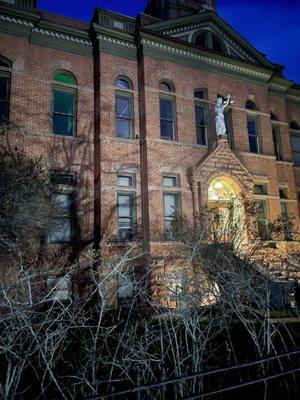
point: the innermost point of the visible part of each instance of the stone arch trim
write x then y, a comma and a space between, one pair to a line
221, 162
239, 184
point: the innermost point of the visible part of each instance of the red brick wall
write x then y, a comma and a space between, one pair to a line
151, 157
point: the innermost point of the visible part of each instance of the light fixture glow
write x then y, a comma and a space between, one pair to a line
218, 185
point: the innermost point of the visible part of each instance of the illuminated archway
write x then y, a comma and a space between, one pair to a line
223, 199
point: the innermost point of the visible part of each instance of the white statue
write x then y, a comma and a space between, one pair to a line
219, 110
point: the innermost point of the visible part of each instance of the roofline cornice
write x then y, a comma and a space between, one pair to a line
171, 45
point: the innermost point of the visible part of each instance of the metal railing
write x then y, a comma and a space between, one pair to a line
139, 392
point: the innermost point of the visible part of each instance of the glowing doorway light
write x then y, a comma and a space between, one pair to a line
218, 185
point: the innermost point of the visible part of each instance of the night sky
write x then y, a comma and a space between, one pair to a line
272, 26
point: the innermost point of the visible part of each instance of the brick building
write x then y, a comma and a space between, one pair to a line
123, 111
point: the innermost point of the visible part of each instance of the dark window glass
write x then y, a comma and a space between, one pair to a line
217, 46
229, 131
282, 193
262, 221
201, 124
277, 142
253, 135
4, 63
294, 125
126, 216
4, 97
63, 113
296, 149
167, 119
124, 116
61, 178
251, 106
260, 189
200, 94
65, 220
201, 40
274, 117
123, 83
171, 209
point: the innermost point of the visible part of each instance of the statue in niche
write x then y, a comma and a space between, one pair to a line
220, 106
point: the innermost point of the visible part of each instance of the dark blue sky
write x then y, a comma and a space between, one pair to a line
272, 26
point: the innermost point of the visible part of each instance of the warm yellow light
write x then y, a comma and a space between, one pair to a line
218, 185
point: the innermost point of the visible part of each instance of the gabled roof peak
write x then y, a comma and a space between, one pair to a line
168, 9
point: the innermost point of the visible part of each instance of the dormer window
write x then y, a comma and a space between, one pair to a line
207, 40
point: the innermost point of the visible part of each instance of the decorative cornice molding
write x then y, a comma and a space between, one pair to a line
214, 27
117, 42
292, 98
15, 20
63, 36
206, 60
277, 88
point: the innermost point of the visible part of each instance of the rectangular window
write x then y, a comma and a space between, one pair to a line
58, 288
167, 119
229, 130
171, 210
284, 209
171, 181
260, 189
277, 142
296, 149
126, 216
124, 114
201, 125
62, 178
4, 96
63, 112
283, 193
65, 220
126, 180
262, 219
287, 228
253, 135
126, 287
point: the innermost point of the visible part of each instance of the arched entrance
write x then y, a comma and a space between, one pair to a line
223, 199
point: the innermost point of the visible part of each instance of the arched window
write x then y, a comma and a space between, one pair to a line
5, 77
201, 40
166, 85
207, 40
64, 77
217, 45
251, 106
122, 82
167, 110
64, 101
294, 125
124, 108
